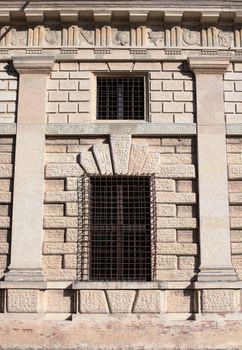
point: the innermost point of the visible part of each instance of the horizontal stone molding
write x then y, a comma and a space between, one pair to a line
127, 128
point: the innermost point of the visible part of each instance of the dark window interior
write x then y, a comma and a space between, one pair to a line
120, 228
120, 98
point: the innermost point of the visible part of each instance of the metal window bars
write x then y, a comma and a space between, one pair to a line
117, 228
120, 98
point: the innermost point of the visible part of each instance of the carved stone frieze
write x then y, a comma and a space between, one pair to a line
96, 36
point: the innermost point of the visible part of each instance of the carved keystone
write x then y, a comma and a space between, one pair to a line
120, 150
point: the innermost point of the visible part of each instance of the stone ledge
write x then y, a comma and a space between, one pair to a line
144, 129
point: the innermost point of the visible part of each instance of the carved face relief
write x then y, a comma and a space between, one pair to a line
121, 38
18, 37
225, 38
191, 37
156, 38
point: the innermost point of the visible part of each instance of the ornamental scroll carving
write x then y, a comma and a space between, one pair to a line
78, 35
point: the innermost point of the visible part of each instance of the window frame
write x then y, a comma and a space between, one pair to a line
83, 247
94, 106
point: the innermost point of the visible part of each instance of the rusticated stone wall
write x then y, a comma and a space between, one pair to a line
8, 93
234, 148
6, 187
173, 160
72, 92
233, 93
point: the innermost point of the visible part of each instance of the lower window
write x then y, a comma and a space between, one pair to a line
117, 228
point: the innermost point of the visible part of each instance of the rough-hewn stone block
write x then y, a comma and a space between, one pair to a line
176, 171
166, 235
165, 185
70, 261
59, 301
181, 197
168, 210
180, 301
166, 262
93, 301
25, 301
177, 248
120, 301
177, 223
60, 222
63, 170
148, 301
61, 197
52, 261
59, 248
218, 301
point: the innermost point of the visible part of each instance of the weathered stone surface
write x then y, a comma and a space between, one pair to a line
120, 150
71, 235
236, 236
152, 164
166, 235
25, 301
54, 185
187, 236
59, 248
177, 248
60, 275
236, 248
138, 157
4, 248
60, 222
102, 155
148, 301
54, 209
88, 163
52, 261
120, 301
166, 262
176, 158
180, 301
186, 211
54, 235
6, 170
93, 302
175, 275
166, 210
218, 301
70, 261
61, 197
72, 209
63, 170
165, 185
237, 261
187, 262
4, 222
59, 300
236, 223
176, 171
235, 172
174, 197
3, 262
176, 223
61, 157
185, 186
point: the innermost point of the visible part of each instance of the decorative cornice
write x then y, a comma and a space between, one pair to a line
33, 64
208, 65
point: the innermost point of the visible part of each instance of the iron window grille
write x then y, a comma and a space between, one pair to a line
117, 228
120, 98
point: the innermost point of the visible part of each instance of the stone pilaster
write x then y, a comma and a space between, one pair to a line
27, 223
215, 248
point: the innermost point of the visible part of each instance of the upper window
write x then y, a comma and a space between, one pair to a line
120, 98
118, 228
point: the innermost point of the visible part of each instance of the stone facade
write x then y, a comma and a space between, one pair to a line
190, 141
